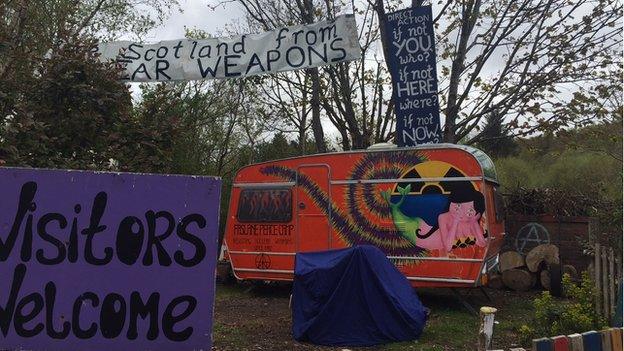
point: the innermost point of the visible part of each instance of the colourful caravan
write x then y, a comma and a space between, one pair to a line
434, 210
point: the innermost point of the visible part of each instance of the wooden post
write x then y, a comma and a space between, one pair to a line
605, 336
486, 327
597, 279
619, 269
576, 342
592, 340
612, 280
560, 343
616, 339
618, 279
543, 344
605, 284
590, 271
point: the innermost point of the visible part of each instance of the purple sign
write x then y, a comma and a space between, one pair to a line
412, 65
107, 261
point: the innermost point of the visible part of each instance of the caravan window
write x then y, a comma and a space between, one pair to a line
265, 205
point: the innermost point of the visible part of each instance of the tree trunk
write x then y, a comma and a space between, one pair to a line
303, 121
307, 13
469, 18
315, 102
348, 111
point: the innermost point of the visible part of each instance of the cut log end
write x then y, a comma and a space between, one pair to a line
519, 279
510, 260
495, 281
542, 255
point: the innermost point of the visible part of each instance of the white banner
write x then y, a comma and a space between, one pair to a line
284, 49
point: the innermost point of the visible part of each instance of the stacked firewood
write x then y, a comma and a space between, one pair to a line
542, 264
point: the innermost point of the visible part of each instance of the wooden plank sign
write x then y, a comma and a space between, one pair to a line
560, 343
543, 344
576, 342
616, 339
592, 341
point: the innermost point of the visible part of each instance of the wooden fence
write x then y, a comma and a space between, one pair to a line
606, 271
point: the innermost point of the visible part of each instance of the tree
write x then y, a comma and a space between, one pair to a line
278, 147
351, 96
74, 113
287, 106
218, 128
518, 58
31, 29
263, 15
59, 106
496, 140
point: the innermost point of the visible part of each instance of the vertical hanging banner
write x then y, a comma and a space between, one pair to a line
107, 261
412, 65
283, 49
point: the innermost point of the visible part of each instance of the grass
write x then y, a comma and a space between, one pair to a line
511, 316
450, 325
230, 291
446, 329
227, 334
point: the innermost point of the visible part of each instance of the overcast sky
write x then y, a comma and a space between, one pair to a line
196, 14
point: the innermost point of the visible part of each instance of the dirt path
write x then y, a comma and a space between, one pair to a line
255, 318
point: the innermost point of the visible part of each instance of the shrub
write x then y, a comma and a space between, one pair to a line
574, 314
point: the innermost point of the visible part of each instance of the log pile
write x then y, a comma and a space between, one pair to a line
521, 273
519, 279
542, 255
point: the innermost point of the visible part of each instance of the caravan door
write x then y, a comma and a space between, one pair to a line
313, 207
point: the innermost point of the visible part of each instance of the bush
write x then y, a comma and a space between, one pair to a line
69, 110
577, 174
574, 314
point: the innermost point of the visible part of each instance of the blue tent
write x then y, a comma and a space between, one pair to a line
353, 297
